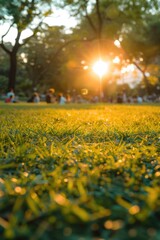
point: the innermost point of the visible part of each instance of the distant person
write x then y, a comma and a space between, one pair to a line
11, 93
119, 98
10, 98
124, 97
50, 97
68, 98
61, 99
139, 99
130, 99
135, 98
34, 98
95, 99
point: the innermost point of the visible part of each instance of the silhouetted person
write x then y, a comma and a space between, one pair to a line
34, 98
50, 97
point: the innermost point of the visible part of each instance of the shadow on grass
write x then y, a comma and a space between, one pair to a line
43, 105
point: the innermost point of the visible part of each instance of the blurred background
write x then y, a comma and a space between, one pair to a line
46, 44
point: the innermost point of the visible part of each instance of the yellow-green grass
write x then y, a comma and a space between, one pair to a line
79, 172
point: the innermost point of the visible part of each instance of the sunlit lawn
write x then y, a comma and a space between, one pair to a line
79, 172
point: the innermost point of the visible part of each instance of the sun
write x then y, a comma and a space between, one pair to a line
100, 68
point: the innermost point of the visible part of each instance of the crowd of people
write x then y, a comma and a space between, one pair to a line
52, 97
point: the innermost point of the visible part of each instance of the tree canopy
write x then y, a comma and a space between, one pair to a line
21, 15
47, 54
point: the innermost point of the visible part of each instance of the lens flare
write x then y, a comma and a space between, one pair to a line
100, 68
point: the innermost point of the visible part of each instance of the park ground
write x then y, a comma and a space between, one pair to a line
79, 172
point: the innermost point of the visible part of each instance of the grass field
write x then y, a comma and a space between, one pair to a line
79, 172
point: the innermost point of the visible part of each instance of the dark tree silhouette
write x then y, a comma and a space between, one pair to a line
21, 15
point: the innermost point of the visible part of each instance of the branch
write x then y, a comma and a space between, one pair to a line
64, 45
4, 48
7, 31
70, 42
26, 40
2, 42
99, 19
139, 68
90, 22
144, 75
17, 44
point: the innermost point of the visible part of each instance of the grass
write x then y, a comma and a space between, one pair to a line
79, 172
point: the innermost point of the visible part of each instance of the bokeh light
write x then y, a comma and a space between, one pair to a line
117, 43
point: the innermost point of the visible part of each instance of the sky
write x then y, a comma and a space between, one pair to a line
60, 17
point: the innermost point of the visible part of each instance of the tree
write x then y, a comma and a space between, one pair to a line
42, 59
21, 15
3, 71
103, 16
113, 19
143, 50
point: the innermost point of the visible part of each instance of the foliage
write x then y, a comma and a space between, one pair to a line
107, 14
99, 23
134, 22
143, 50
79, 171
43, 61
22, 15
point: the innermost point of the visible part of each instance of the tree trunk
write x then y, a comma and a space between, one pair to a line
12, 70
100, 21
146, 82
